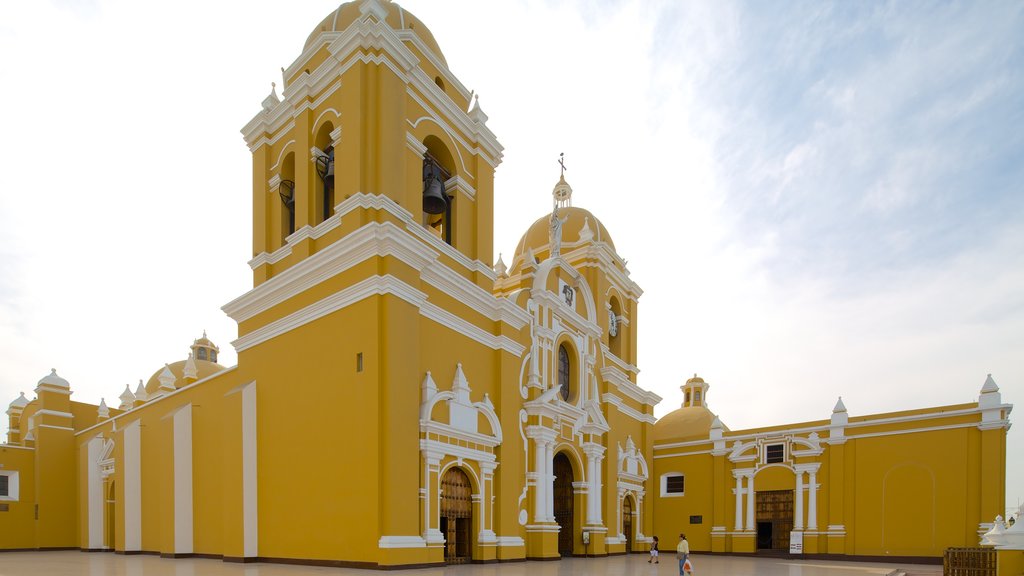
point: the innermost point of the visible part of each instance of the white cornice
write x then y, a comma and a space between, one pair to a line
631, 412
619, 362
624, 385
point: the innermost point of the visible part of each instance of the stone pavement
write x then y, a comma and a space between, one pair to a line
73, 563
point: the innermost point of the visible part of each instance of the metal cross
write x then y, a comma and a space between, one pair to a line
561, 162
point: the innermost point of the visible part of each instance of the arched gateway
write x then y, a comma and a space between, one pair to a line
563, 503
456, 516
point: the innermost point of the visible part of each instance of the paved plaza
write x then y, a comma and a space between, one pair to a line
73, 563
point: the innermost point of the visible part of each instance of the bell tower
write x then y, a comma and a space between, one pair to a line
370, 111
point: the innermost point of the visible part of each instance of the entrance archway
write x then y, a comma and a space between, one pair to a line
456, 516
627, 521
563, 503
774, 517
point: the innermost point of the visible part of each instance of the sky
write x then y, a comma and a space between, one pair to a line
819, 199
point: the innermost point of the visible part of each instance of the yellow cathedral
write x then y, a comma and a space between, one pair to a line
400, 400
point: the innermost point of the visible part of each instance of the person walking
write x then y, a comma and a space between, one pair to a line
683, 554
654, 551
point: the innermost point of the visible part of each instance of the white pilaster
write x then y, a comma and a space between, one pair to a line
798, 519
94, 491
540, 499
738, 525
183, 540
132, 488
812, 501
594, 453
750, 502
432, 497
549, 462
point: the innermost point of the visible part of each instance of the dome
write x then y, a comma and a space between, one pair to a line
204, 368
397, 17
580, 227
19, 403
696, 380
53, 380
690, 423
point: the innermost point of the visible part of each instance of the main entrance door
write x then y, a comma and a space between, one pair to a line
627, 522
456, 516
563, 503
774, 510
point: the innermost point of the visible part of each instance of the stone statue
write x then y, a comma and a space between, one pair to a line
556, 233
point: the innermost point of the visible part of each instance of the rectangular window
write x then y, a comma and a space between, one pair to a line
774, 453
674, 485
696, 519
5, 486
359, 362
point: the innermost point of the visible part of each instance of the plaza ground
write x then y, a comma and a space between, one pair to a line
73, 563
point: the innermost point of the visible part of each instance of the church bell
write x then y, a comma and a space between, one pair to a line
434, 199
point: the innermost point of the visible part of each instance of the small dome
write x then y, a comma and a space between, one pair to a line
579, 224
53, 380
19, 402
696, 380
397, 17
690, 423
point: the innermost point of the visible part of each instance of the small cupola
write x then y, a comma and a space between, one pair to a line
694, 392
204, 349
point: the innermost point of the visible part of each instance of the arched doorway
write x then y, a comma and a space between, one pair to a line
563, 503
456, 516
627, 521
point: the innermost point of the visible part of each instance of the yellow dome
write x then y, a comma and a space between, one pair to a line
398, 18
203, 369
696, 380
537, 235
690, 423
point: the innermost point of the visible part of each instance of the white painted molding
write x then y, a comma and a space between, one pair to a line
401, 542
614, 400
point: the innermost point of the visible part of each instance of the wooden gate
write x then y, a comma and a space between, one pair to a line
563, 503
456, 516
627, 522
774, 517
969, 562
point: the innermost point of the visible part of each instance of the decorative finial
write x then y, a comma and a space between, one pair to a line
561, 162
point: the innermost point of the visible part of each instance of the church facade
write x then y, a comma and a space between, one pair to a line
399, 400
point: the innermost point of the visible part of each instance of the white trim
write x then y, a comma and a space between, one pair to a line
663, 479
510, 542
54, 427
132, 487
401, 542
183, 521
633, 413
622, 382
94, 494
371, 286
13, 484
45, 412
465, 328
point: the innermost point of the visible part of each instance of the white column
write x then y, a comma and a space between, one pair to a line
593, 452
812, 502
798, 519
486, 501
739, 503
132, 487
540, 500
750, 502
549, 461
183, 480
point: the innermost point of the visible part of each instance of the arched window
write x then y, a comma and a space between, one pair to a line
324, 164
563, 372
201, 354
439, 210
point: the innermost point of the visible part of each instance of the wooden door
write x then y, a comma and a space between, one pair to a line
774, 511
456, 516
627, 522
563, 503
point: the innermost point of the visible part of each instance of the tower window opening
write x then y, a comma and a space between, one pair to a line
437, 204
201, 354
287, 192
325, 169
439, 82
213, 356
686, 398
696, 396
564, 373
